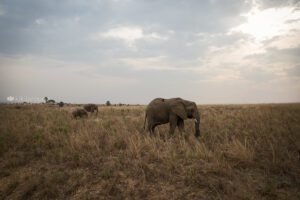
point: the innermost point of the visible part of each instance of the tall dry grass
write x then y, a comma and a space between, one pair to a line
244, 152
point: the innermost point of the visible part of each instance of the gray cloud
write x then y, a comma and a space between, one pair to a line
69, 22
295, 71
180, 44
277, 3
288, 56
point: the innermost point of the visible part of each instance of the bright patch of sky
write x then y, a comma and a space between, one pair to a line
271, 22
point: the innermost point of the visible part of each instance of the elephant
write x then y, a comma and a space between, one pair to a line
91, 108
173, 111
79, 112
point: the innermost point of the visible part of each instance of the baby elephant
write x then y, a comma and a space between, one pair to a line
91, 108
173, 111
79, 112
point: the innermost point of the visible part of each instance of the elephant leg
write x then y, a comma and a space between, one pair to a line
153, 128
150, 127
173, 124
180, 124
172, 129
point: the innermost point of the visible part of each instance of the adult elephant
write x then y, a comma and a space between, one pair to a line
173, 111
91, 108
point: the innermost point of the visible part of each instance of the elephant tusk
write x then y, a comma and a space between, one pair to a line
196, 121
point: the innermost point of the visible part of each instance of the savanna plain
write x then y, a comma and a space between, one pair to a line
244, 152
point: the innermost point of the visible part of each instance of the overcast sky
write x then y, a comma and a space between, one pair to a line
131, 51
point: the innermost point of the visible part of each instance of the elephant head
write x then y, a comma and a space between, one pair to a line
187, 110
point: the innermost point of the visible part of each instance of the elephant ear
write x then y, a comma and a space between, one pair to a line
179, 110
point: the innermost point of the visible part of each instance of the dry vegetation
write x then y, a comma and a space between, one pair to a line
245, 152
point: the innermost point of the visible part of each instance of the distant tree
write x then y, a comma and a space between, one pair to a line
108, 103
51, 101
46, 99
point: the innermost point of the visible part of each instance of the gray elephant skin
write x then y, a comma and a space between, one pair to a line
79, 113
173, 111
91, 108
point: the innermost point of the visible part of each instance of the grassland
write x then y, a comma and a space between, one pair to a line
244, 152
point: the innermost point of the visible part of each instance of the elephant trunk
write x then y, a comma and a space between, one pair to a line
197, 124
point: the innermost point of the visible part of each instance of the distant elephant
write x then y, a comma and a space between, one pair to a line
173, 111
91, 108
79, 112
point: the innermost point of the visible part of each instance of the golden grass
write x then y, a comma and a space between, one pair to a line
244, 152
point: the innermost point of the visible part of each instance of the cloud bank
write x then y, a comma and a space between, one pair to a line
131, 51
